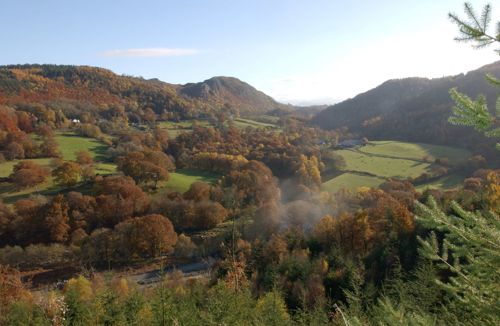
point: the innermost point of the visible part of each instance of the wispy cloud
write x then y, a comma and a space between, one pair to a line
149, 52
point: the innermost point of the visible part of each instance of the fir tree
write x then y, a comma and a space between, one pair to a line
469, 257
468, 112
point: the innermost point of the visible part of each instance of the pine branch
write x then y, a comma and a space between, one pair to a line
493, 80
467, 112
469, 11
486, 17
475, 29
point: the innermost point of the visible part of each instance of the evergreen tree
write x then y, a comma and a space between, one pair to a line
469, 257
468, 112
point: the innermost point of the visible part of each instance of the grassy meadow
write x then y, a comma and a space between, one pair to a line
69, 143
180, 180
378, 161
414, 151
352, 182
386, 167
244, 123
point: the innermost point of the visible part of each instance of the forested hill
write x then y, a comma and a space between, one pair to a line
77, 88
413, 109
232, 91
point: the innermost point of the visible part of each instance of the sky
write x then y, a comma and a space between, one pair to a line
297, 51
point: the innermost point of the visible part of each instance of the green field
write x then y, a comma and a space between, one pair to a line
181, 179
351, 181
69, 143
414, 150
382, 166
244, 123
378, 161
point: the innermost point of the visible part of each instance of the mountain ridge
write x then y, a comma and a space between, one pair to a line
35, 83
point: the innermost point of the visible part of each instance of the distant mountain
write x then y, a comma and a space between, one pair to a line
308, 112
232, 92
74, 87
413, 109
311, 108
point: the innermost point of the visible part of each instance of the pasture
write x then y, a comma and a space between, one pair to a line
69, 143
351, 181
414, 150
372, 164
387, 167
181, 180
244, 123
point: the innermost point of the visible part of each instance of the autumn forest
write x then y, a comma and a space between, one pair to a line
132, 201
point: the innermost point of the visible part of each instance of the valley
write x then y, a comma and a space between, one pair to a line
208, 199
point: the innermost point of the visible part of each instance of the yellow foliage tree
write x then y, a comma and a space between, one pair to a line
493, 191
81, 286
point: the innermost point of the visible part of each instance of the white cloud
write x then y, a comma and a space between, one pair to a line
149, 52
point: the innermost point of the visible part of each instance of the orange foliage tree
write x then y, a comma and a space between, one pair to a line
150, 235
28, 174
11, 289
67, 174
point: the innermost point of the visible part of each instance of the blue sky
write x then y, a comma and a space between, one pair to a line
316, 51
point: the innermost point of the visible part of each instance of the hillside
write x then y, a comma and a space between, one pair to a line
412, 109
74, 89
230, 91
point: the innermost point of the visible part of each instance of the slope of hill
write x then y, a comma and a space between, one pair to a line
74, 87
231, 92
413, 109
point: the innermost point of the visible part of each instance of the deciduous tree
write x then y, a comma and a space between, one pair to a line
28, 174
56, 219
83, 157
148, 236
67, 174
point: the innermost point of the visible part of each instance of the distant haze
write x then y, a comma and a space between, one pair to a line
317, 101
